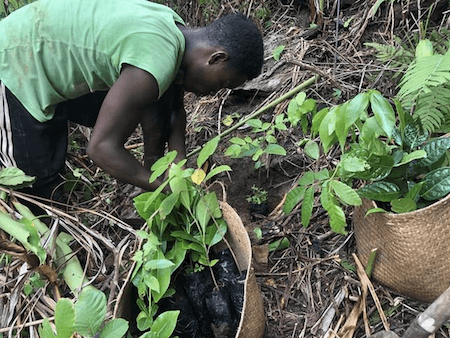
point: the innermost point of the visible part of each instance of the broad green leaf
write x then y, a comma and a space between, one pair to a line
275, 149
337, 219
326, 130
234, 151
217, 170
307, 178
322, 175
371, 130
238, 140
414, 192
437, 184
354, 164
307, 206
46, 331
90, 312
383, 111
317, 120
207, 150
144, 321
415, 155
413, 136
380, 167
178, 186
15, 178
435, 150
355, 108
162, 164
312, 149
293, 198
424, 48
345, 193
215, 233
115, 328
163, 276
403, 205
380, 191
255, 123
155, 264
340, 130
64, 318
207, 207
152, 282
168, 204
165, 323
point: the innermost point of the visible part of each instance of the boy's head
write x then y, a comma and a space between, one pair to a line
224, 54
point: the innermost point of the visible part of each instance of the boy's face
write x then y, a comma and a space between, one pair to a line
205, 78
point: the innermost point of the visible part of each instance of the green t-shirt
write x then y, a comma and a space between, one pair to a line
55, 50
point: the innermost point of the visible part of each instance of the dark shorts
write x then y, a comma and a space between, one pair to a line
39, 149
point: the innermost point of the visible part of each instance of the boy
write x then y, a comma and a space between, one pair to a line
110, 64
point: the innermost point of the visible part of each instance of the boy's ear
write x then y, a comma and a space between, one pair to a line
218, 56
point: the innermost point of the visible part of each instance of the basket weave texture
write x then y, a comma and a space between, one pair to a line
252, 320
413, 256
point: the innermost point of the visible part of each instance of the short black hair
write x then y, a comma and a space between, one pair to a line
240, 37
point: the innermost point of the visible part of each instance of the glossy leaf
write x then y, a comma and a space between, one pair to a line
168, 204
413, 136
155, 264
355, 108
326, 129
383, 112
307, 206
380, 191
437, 184
207, 150
217, 170
414, 192
403, 205
374, 211
435, 149
415, 155
380, 167
345, 193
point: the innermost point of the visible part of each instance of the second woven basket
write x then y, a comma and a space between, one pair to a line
413, 249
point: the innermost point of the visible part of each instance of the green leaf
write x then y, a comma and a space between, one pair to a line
326, 129
207, 150
380, 191
317, 120
383, 111
115, 328
435, 150
354, 164
255, 123
165, 323
168, 204
90, 312
275, 149
158, 264
415, 155
403, 205
162, 164
144, 321
371, 130
207, 207
64, 318
374, 211
46, 331
293, 198
307, 178
15, 178
280, 244
215, 233
437, 184
414, 192
152, 282
414, 136
380, 167
337, 219
276, 53
356, 107
312, 149
307, 206
345, 193
424, 48
217, 170
238, 140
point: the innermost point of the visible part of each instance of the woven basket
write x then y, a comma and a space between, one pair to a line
252, 320
413, 256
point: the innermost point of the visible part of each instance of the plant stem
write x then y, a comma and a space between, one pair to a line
272, 104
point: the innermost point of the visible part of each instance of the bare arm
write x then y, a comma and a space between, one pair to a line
122, 110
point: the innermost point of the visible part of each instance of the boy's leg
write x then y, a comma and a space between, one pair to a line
39, 149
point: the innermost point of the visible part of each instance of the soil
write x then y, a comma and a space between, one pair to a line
310, 287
